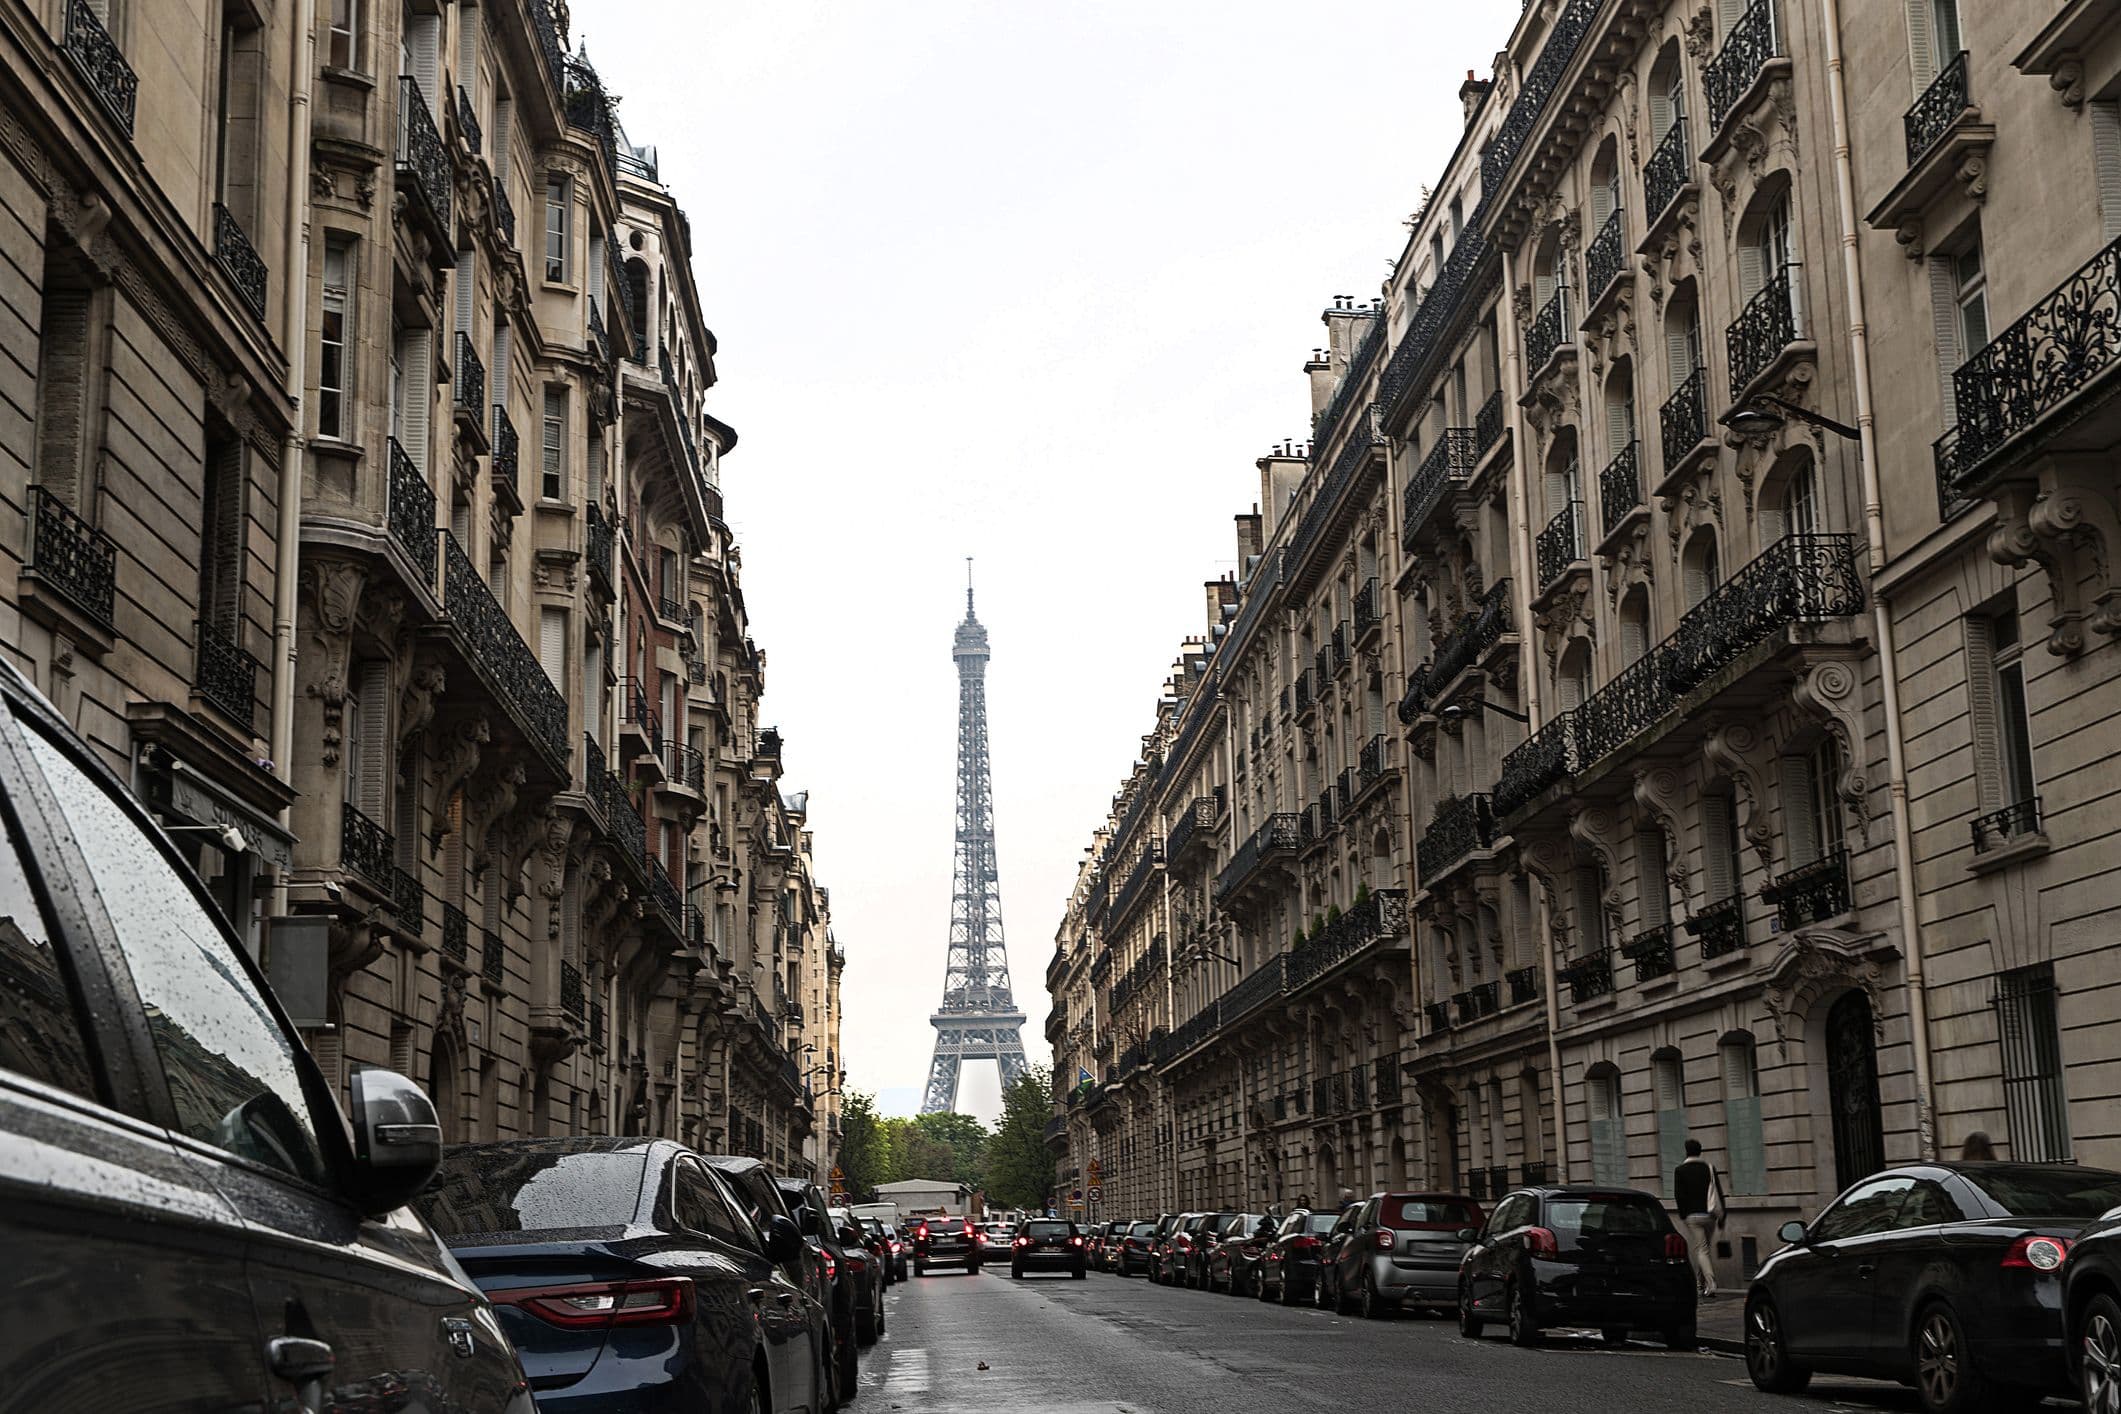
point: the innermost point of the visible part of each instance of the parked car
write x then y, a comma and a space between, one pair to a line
901, 1249
630, 1277
1607, 1258
947, 1242
1177, 1249
1160, 1242
1234, 1264
878, 1239
846, 1292
2091, 1296
1946, 1274
1048, 1244
859, 1257
1136, 1250
1288, 1272
1404, 1249
1205, 1241
1099, 1238
1327, 1292
188, 1216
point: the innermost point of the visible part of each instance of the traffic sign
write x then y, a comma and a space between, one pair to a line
1076, 1196
1097, 1173
1097, 1194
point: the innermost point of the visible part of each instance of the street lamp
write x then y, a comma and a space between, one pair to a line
1763, 415
1459, 711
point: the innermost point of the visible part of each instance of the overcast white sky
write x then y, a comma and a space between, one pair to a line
1030, 280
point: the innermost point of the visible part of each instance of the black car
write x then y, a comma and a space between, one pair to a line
2091, 1299
877, 1238
1606, 1258
1946, 1274
1234, 1264
630, 1278
1049, 1245
849, 1291
1205, 1241
1288, 1271
186, 1214
947, 1242
1136, 1250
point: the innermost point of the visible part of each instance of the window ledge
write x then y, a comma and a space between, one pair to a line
2016, 850
352, 78
1958, 157
1736, 957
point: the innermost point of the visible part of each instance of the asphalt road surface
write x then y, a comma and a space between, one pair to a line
1051, 1345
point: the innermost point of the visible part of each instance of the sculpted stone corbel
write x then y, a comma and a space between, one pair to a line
416, 701
2070, 530
1546, 860
1829, 692
1732, 750
1593, 828
331, 593
1699, 34
1657, 795
492, 797
459, 758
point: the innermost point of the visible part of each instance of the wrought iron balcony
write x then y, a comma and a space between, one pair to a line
1342, 645
635, 712
96, 58
1423, 343
409, 901
366, 848
1322, 665
1488, 425
1811, 893
507, 462
1479, 1000
1460, 825
1371, 764
468, 121
1380, 918
2065, 343
456, 936
670, 610
1952, 496
1763, 329
468, 382
226, 676
1478, 631
1349, 394
1449, 463
1684, 419
1651, 952
1368, 617
1136, 889
1666, 174
2015, 821
1563, 41
1202, 1025
1524, 985
688, 767
1620, 487
1327, 815
1275, 839
589, 108
239, 260
1267, 982
504, 212
1550, 330
1589, 976
1937, 109
624, 818
1439, 1015
1719, 928
1304, 699
422, 160
1542, 759
1754, 40
1349, 786
1330, 501
1561, 544
598, 541
664, 895
1387, 1086
498, 653
1195, 824
571, 985
1606, 258
73, 557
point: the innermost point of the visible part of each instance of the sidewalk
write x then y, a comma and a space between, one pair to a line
1721, 1322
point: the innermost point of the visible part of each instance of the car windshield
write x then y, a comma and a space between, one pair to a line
1046, 1229
1428, 1214
506, 1189
2074, 1194
1593, 1218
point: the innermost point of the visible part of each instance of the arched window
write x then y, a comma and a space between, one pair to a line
1609, 1140
1668, 1084
1702, 565
1634, 625
1564, 472
1800, 502
1605, 184
1767, 253
1667, 93
1572, 680
1745, 1149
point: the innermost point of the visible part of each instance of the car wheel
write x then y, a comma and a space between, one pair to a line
2099, 1356
1081, 1273
1373, 1306
1614, 1335
756, 1403
1469, 1325
865, 1328
849, 1370
920, 1269
1945, 1377
1016, 1273
1524, 1330
1343, 1303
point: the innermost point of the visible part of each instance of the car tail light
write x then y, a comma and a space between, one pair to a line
971, 1231
921, 1232
1542, 1242
856, 1264
1075, 1242
1304, 1244
832, 1268
597, 1305
1384, 1239
2040, 1254
896, 1249
1022, 1242
1675, 1246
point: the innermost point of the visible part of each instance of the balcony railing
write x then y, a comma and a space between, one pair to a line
1937, 109
664, 895
1193, 823
1620, 486
1349, 786
1606, 258
409, 901
1331, 496
2014, 821
456, 936
500, 655
504, 212
1562, 43
1252, 992
1589, 976
688, 767
1304, 695
1136, 889
1459, 826
468, 121
366, 848
1479, 1000
1341, 644
1449, 463
1488, 424
598, 540
1754, 40
1651, 953
1684, 419
1423, 343
1542, 759
468, 381
96, 58
635, 712
1719, 928
1198, 1028
507, 460
589, 109
1379, 918
421, 157
1476, 633
1666, 174
1561, 544
1367, 614
1524, 985
227, 676
2069, 340
1349, 393
1766, 326
239, 260
73, 557
571, 987
493, 960
1812, 893
1549, 331
1370, 764
412, 514
1439, 1016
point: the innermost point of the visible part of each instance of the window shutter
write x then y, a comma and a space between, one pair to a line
552, 645
1800, 831
2106, 162
497, 376
416, 376
1752, 269
1944, 325
1983, 717
1542, 290
222, 542
1634, 635
63, 390
1728, 13
468, 54
1716, 827
1661, 115
1922, 53
423, 42
1601, 205
1679, 347
372, 686
466, 279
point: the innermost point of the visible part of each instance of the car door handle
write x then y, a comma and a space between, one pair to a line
297, 1359
1864, 1271
757, 1294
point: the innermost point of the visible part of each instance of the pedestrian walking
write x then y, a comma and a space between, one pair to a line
1698, 1194
1978, 1149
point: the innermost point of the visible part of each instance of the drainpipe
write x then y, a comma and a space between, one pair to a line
1881, 618
295, 340
1534, 702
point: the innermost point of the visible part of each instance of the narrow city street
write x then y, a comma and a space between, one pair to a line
1051, 1345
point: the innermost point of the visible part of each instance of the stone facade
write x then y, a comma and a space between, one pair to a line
368, 517
1742, 594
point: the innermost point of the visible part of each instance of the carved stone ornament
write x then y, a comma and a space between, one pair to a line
1658, 791
1547, 860
1816, 963
1828, 692
2067, 525
1732, 750
1593, 829
459, 757
331, 594
1699, 34
2068, 82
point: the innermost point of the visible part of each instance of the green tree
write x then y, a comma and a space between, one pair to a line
864, 1147
964, 1136
1019, 1171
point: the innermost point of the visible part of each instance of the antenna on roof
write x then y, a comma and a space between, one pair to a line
968, 586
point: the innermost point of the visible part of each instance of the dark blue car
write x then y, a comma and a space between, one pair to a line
631, 1280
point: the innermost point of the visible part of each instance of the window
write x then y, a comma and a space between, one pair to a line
224, 482
1945, 42
342, 49
1668, 1075
41, 1035
1609, 1145
1769, 253
332, 336
1823, 796
2002, 730
552, 644
1724, 865
698, 1204
1870, 1207
1800, 503
558, 209
1590, 907
1959, 311
1654, 864
553, 469
1970, 297
234, 1080
71, 339
2034, 1100
236, 117
1744, 1143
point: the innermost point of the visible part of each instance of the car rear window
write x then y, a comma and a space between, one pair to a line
483, 1190
1046, 1229
1596, 1217
1319, 1224
1428, 1214
1142, 1230
2071, 1193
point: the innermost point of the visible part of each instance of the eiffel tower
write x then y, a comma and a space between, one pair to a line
978, 1019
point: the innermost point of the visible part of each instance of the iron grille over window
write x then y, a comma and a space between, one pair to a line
2033, 1096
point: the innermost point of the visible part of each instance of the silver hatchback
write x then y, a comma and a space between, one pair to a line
1403, 1249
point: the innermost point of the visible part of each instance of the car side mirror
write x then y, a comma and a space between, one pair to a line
1469, 1234
1791, 1232
784, 1240
851, 1234
397, 1140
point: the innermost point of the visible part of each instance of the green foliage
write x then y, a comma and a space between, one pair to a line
1333, 914
864, 1151
1362, 894
1019, 1171
1300, 935
963, 1136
